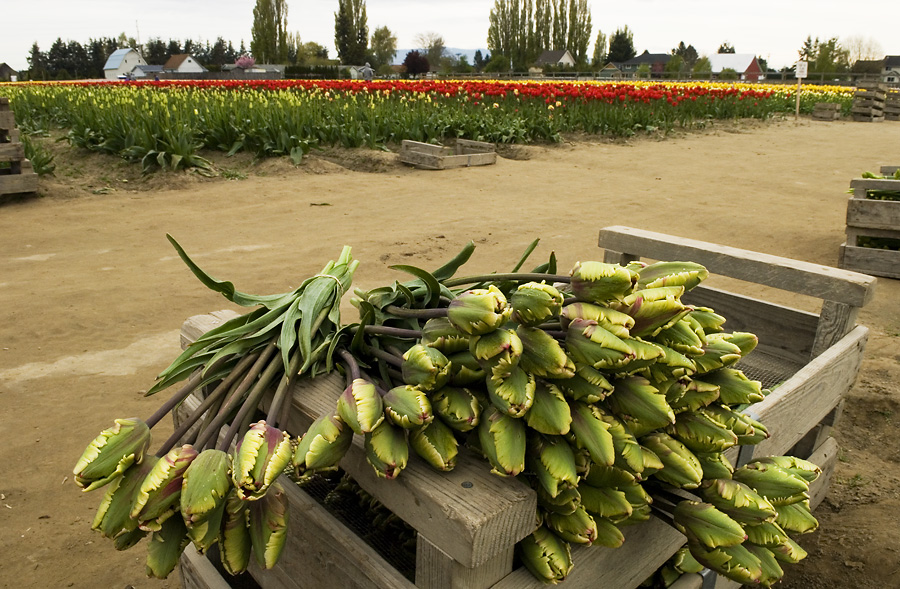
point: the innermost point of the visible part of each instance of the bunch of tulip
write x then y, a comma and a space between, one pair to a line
613, 399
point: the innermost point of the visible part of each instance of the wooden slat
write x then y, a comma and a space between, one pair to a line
466, 146
806, 398
888, 170
7, 120
835, 320
11, 152
468, 513
872, 261
796, 276
875, 184
425, 148
321, 552
878, 214
435, 569
790, 331
18, 183
197, 572
464, 161
647, 546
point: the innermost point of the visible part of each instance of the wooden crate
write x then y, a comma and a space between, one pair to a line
871, 218
19, 177
468, 521
826, 111
889, 170
435, 157
868, 103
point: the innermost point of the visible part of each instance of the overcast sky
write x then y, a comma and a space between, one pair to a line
769, 28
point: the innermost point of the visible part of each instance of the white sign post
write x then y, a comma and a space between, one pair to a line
802, 68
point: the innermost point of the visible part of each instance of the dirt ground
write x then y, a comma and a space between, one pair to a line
93, 295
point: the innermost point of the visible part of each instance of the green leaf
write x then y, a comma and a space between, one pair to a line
449, 269
525, 254
431, 283
224, 287
289, 331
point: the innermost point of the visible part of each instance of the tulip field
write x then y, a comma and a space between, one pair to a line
168, 124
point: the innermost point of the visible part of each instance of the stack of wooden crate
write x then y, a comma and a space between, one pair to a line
16, 172
826, 111
892, 105
468, 521
868, 102
872, 219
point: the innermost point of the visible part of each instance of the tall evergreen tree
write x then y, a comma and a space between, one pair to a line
560, 25
351, 31
599, 58
37, 63
579, 34
726, 47
621, 45
269, 32
543, 24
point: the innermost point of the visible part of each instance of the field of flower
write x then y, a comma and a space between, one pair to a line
167, 124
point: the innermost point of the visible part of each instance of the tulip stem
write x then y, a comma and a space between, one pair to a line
284, 386
216, 395
383, 355
514, 276
416, 313
177, 398
352, 364
213, 428
251, 402
393, 331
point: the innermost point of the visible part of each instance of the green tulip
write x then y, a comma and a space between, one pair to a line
435, 443
479, 311
360, 406
158, 495
387, 450
703, 523
514, 394
425, 367
268, 523
442, 335
549, 413
407, 406
323, 445
234, 538
598, 282
547, 556
457, 407
113, 517
534, 303
165, 548
542, 355
111, 453
260, 457
205, 485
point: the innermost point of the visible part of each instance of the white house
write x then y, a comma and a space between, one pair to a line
557, 58
891, 69
121, 62
183, 64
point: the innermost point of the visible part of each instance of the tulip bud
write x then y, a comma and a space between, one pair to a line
543, 356
553, 463
479, 311
360, 406
547, 556
113, 517
534, 303
458, 408
323, 445
578, 527
425, 367
234, 540
206, 483
685, 274
598, 282
514, 394
387, 450
408, 406
616, 322
739, 501
111, 452
654, 309
440, 334
590, 344
166, 546
260, 457
703, 523
497, 352
268, 523
549, 413
502, 440
435, 444
158, 495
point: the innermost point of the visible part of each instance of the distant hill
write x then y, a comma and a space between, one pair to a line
469, 53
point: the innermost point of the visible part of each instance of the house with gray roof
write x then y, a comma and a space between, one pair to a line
121, 62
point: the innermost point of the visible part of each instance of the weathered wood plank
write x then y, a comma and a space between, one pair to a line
877, 214
468, 513
875, 184
7, 120
18, 183
424, 148
466, 146
796, 276
435, 569
197, 572
806, 398
872, 261
11, 152
835, 320
888, 170
788, 330
647, 546
320, 551
465, 161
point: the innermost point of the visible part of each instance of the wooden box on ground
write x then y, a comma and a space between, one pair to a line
468, 521
435, 157
892, 105
826, 111
17, 174
868, 103
869, 218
